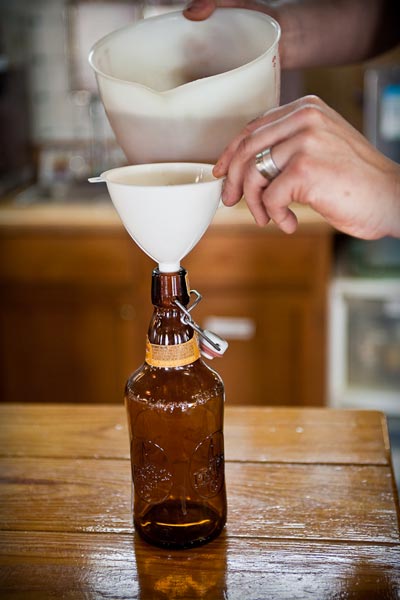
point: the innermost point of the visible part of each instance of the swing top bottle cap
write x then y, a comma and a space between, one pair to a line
209, 351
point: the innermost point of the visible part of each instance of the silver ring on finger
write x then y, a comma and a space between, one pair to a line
265, 164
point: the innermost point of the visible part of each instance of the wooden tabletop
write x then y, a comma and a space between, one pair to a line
312, 510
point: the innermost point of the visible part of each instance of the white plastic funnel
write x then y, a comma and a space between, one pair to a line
165, 207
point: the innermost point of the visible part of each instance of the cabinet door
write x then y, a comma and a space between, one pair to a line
272, 289
68, 345
272, 357
73, 318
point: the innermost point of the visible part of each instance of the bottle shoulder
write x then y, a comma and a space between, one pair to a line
197, 371
193, 383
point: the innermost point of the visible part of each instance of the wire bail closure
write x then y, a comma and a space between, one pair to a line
211, 345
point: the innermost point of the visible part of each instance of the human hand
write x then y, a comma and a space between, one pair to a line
325, 163
198, 10
316, 33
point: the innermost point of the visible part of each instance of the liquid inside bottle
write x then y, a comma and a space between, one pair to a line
175, 413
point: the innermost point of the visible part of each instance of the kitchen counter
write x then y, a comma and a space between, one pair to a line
103, 215
312, 510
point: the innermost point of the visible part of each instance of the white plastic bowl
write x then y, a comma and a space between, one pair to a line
178, 90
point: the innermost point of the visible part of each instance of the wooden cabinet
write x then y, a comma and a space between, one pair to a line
267, 291
75, 306
72, 323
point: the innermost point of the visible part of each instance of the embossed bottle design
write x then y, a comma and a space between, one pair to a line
175, 414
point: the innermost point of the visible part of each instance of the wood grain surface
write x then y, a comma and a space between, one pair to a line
251, 434
312, 510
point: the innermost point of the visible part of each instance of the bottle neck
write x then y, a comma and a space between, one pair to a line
168, 287
170, 342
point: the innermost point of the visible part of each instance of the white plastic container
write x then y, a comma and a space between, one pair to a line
178, 90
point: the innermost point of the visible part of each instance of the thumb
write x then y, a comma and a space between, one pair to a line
198, 10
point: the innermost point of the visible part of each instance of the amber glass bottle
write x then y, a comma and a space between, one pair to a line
175, 413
